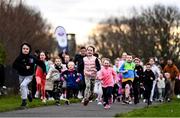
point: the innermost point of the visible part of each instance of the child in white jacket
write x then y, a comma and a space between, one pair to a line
161, 87
52, 76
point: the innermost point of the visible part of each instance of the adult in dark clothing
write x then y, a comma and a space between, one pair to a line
25, 65
162, 63
148, 82
78, 60
137, 80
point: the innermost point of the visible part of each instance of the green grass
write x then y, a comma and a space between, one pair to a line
171, 109
8, 103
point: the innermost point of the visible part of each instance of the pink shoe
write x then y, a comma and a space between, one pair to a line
107, 107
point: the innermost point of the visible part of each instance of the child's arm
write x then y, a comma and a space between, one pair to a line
122, 70
48, 76
116, 79
63, 76
99, 75
79, 77
152, 75
41, 64
98, 66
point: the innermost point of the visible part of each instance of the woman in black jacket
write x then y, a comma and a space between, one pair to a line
25, 65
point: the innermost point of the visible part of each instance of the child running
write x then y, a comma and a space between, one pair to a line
91, 65
41, 79
149, 77
53, 75
161, 87
108, 76
72, 78
24, 64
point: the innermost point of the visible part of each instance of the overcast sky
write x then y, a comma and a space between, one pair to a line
80, 16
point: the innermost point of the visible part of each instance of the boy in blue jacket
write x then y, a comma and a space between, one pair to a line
72, 77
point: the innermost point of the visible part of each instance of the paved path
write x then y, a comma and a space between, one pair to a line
73, 110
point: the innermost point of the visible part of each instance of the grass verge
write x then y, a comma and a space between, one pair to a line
170, 109
8, 103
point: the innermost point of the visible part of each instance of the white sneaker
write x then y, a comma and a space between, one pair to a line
99, 103
62, 97
130, 102
144, 100
36, 95
51, 99
80, 95
4, 87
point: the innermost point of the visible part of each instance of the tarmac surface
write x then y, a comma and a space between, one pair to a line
74, 110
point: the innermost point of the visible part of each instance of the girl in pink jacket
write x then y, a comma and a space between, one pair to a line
108, 78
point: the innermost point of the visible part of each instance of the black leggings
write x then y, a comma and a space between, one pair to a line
71, 92
107, 92
147, 93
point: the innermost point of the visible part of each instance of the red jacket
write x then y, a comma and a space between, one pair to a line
40, 73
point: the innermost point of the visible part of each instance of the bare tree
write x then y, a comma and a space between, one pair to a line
20, 23
152, 32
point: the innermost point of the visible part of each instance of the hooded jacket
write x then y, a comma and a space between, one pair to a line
24, 60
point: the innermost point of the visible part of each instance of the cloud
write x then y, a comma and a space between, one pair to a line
79, 16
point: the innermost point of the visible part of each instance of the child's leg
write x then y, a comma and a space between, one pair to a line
38, 83
109, 94
123, 91
49, 94
92, 83
127, 91
136, 94
105, 96
153, 90
99, 97
87, 90
148, 97
149, 93
43, 94
68, 93
75, 93
160, 93
24, 81
163, 93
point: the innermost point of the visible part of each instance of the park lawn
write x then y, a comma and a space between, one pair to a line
170, 109
8, 103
